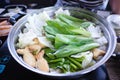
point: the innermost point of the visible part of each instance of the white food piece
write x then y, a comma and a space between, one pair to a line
61, 11
79, 55
87, 60
102, 41
36, 22
26, 39
44, 42
55, 71
95, 31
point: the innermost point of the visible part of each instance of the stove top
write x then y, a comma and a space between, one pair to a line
11, 70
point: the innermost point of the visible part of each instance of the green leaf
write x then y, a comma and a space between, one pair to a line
48, 53
81, 31
85, 24
50, 37
73, 49
70, 18
76, 22
59, 27
62, 39
57, 60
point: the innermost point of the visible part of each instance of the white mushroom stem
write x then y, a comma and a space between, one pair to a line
41, 63
27, 56
97, 52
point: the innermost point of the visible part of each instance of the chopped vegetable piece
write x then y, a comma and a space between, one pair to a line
62, 39
76, 22
73, 49
60, 27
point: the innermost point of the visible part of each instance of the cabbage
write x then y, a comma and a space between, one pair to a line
44, 42
25, 39
102, 41
87, 60
95, 31
61, 11
88, 57
36, 22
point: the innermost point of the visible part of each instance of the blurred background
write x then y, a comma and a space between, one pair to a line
45, 3
28, 3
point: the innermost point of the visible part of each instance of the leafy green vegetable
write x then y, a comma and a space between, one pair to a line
48, 53
56, 65
62, 39
81, 31
80, 59
66, 67
50, 37
60, 27
71, 18
85, 24
69, 36
57, 26
73, 49
73, 21
51, 30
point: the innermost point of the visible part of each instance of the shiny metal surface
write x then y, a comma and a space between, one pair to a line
108, 32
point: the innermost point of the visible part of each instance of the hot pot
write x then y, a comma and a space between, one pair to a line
77, 12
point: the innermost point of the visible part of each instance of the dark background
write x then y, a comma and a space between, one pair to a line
29, 3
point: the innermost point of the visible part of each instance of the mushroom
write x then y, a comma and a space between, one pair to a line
27, 56
41, 63
34, 49
97, 52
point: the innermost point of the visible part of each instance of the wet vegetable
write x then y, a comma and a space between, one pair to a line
62, 42
73, 49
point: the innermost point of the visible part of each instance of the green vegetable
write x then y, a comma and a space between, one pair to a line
63, 69
76, 22
81, 31
51, 30
73, 67
62, 39
48, 53
75, 62
56, 65
85, 24
66, 67
71, 18
80, 59
69, 36
50, 37
57, 60
73, 49
58, 27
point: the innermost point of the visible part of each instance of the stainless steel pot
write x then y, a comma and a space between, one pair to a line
77, 12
